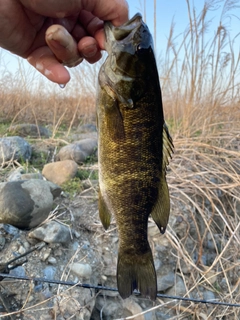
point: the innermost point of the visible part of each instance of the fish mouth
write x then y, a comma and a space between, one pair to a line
120, 33
128, 47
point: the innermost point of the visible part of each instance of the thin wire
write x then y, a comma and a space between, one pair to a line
89, 286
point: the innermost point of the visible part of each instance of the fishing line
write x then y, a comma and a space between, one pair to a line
89, 286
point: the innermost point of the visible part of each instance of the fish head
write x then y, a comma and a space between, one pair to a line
128, 47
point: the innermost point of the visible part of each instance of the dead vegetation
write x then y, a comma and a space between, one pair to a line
204, 182
201, 95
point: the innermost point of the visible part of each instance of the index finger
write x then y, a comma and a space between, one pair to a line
115, 11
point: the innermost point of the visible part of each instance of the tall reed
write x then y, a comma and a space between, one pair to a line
200, 75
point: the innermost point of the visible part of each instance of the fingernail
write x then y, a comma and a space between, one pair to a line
90, 51
56, 44
59, 38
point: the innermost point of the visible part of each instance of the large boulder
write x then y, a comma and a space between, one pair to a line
52, 232
78, 151
60, 172
20, 174
26, 203
30, 130
14, 148
88, 127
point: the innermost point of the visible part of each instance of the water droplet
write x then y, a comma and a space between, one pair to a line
62, 85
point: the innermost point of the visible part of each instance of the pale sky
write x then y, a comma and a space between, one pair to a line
166, 11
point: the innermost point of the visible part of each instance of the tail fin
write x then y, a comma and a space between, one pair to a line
136, 272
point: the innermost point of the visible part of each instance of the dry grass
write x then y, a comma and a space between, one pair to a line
205, 190
201, 92
26, 97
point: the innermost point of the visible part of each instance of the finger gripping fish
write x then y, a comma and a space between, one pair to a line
134, 147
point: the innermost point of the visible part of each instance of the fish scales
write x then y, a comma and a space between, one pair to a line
134, 147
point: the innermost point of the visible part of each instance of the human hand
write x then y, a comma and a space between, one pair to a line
51, 34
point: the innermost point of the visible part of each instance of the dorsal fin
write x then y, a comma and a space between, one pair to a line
168, 147
161, 210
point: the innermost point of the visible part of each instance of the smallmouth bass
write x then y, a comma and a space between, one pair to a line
134, 147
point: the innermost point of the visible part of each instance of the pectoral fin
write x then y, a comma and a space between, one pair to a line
104, 213
114, 119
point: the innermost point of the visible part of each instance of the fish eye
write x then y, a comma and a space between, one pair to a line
141, 49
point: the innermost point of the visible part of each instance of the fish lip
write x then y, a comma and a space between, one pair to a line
137, 17
122, 32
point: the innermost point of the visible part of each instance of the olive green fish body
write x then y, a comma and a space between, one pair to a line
132, 152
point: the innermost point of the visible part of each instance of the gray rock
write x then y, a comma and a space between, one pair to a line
16, 174
78, 151
21, 250
18, 271
133, 308
28, 176
158, 264
78, 302
163, 316
204, 260
11, 230
224, 284
52, 232
52, 260
60, 172
31, 130
86, 184
54, 188
81, 270
76, 234
178, 289
49, 272
45, 253
14, 148
108, 307
38, 287
208, 295
82, 136
89, 127
26, 203
165, 278
46, 293
2, 242
19, 174
75, 246
110, 262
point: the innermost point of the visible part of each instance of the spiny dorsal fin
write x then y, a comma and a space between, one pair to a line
168, 147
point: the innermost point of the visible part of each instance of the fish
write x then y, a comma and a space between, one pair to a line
134, 148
